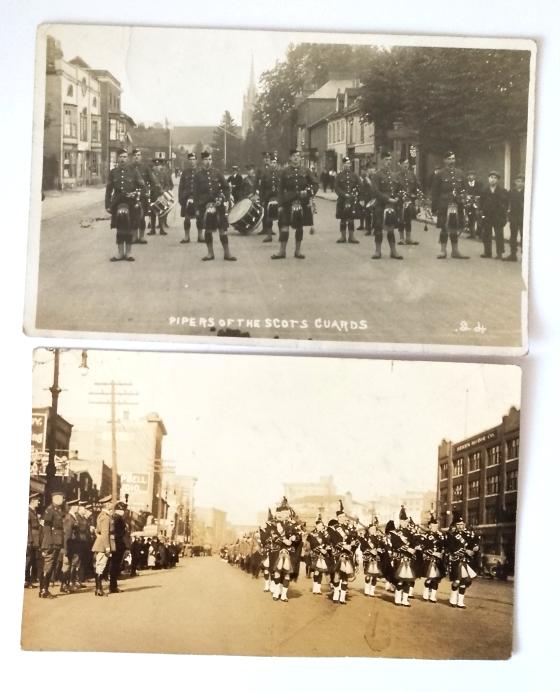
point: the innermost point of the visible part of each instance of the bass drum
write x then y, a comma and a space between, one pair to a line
246, 216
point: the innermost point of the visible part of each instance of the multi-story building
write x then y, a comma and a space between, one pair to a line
139, 454
348, 133
478, 478
188, 138
72, 124
210, 527
116, 126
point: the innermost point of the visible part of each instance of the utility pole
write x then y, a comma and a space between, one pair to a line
55, 391
113, 403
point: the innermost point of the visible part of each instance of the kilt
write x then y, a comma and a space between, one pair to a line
460, 570
403, 570
442, 219
344, 212
321, 563
211, 222
121, 219
282, 561
431, 569
285, 215
188, 210
372, 567
345, 565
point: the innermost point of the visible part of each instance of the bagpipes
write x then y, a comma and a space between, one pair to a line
211, 213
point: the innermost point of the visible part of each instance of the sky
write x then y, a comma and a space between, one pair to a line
245, 425
189, 77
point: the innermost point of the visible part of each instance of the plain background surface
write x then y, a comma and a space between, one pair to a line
537, 612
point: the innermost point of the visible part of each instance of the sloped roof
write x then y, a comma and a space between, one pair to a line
330, 89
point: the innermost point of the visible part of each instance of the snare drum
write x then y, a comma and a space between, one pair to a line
163, 204
246, 215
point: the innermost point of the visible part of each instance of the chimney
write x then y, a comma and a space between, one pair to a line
54, 52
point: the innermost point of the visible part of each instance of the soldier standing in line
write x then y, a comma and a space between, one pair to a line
102, 545
321, 554
167, 185
433, 544
407, 207
297, 187
462, 549
52, 542
121, 539
123, 185
516, 205
494, 202
347, 187
344, 541
268, 188
69, 554
212, 193
82, 544
386, 187
473, 188
371, 546
187, 200
448, 188
151, 189
32, 557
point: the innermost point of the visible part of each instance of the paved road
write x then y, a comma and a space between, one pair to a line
206, 606
168, 290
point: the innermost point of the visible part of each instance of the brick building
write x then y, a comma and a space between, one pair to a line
478, 477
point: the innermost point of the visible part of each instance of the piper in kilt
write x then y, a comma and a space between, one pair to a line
266, 547
187, 199
344, 540
403, 556
433, 545
462, 547
321, 554
285, 551
371, 545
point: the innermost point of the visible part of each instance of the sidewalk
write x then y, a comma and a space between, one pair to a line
57, 203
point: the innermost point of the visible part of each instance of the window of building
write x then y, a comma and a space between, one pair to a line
513, 448
492, 484
112, 129
474, 488
472, 517
444, 470
362, 133
474, 461
458, 491
83, 125
70, 125
118, 103
351, 131
70, 91
343, 130
494, 455
510, 511
94, 163
95, 129
511, 480
112, 159
491, 514
458, 467
69, 167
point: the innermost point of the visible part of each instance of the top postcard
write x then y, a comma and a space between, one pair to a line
236, 189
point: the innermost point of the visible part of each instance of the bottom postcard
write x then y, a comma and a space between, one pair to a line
271, 506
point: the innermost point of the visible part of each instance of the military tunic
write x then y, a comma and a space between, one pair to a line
210, 186
347, 186
53, 540
296, 183
448, 185
186, 191
152, 187
122, 182
386, 185
268, 187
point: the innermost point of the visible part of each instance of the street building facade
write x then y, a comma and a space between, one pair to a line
477, 477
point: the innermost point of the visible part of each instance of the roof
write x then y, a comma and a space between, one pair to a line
322, 119
105, 74
330, 89
192, 134
79, 61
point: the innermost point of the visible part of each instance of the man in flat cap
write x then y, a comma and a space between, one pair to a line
516, 206
494, 201
32, 555
448, 188
53, 540
125, 188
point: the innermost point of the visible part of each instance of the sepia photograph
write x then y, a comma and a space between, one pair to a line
271, 506
349, 193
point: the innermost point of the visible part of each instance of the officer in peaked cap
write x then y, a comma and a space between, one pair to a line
52, 540
102, 545
187, 200
448, 187
120, 543
32, 556
151, 192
